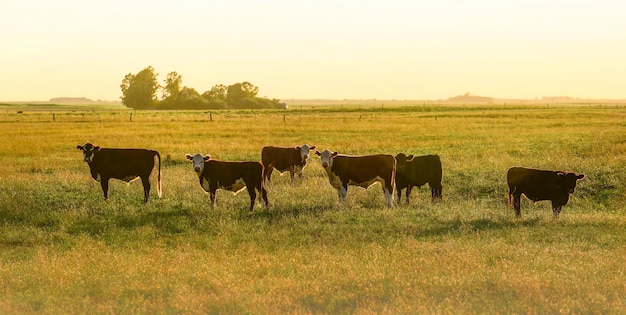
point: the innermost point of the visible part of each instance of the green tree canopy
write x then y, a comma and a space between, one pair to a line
216, 97
173, 84
217, 92
139, 90
191, 99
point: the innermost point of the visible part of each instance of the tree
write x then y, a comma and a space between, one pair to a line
217, 92
189, 98
172, 86
242, 93
139, 90
216, 97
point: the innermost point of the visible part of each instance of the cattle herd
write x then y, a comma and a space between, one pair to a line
399, 172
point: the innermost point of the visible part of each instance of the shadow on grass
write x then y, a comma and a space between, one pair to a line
170, 221
437, 228
303, 224
375, 225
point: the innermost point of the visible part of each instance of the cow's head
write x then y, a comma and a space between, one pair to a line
401, 160
198, 161
304, 151
327, 158
568, 180
88, 151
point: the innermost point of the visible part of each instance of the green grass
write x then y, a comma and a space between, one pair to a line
64, 250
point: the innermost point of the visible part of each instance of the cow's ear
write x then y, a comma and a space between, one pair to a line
298, 148
318, 153
581, 176
188, 157
335, 153
79, 147
311, 148
96, 149
409, 157
560, 174
207, 157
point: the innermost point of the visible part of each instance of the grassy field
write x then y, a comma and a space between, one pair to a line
64, 250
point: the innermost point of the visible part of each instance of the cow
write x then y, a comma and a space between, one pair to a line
123, 164
284, 159
360, 171
537, 185
417, 171
232, 176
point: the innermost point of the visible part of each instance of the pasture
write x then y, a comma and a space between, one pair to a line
64, 250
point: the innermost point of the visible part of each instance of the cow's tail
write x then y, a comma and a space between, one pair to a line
510, 193
389, 189
263, 189
159, 175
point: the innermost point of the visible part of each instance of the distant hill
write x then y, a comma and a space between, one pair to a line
469, 98
70, 100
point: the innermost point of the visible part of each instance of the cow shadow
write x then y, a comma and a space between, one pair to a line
178, 218
184, 217
437, 228
416, 223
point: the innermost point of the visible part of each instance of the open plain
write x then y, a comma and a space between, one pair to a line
63, 249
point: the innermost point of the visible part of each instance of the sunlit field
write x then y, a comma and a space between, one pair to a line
63, 249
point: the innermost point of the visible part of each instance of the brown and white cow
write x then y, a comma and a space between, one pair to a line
227, 175
285, 159
123, 164
537, 185
417, 171
360, 171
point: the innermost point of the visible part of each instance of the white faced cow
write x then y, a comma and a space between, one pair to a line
360, 171
284, 159
122, 164
231, 176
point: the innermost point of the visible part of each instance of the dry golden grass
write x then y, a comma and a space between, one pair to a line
64, 250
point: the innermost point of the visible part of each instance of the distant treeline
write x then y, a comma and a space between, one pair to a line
70, 100
468, 98
139, 91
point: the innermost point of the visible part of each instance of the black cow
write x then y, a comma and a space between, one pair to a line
417, 171
122, 164
231, 176
540, 185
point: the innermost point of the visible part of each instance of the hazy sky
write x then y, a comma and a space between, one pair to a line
317, 49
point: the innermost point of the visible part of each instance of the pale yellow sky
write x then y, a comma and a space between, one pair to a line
317, 49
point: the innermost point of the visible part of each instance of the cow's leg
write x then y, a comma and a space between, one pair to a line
342, 191
104, 183
556, 209
268, 174
388, 196
435, 189
408, 194
212, 193
263, 195
517, 199
292, 172
252, 194
146, 188
389, 187
399, 192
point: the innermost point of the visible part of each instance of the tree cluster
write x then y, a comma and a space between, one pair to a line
139, 91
